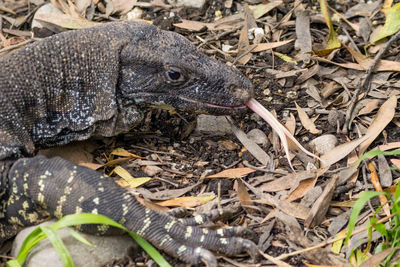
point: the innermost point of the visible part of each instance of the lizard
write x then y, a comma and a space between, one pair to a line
99, 81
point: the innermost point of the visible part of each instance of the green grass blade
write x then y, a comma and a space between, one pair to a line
13, 263
86, 218
30, 241
59, 246
153, 252
358, 206
80, 238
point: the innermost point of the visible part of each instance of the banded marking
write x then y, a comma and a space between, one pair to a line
96, 201
189, 231
199, 219
169, 225
166, 239
181, 250
146, 224
220, 232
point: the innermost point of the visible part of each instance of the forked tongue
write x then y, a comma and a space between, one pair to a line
278, 128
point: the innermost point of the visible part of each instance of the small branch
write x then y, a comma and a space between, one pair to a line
327, 242
365, 84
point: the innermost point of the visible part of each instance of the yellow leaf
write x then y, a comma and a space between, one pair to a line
122, 173
133, 182
392, 23
337, 246
123, 153
333, 41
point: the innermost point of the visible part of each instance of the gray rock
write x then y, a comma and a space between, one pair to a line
187, 3
258, 137
323, 143
213, 125
107, 249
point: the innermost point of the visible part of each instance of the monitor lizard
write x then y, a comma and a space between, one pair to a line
99, 81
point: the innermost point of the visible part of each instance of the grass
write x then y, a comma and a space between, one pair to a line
50, 232
389, 232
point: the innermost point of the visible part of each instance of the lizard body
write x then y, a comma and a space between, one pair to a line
98, 81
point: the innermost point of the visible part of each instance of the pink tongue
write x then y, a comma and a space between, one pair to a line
282, 132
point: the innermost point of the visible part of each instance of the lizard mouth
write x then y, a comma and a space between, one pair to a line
213, 105
178, 101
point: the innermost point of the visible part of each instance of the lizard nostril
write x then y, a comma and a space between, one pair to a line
239, 92
232, 88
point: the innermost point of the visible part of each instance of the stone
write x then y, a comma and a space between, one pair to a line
213, 125
258, 137
323, 143
187, 3
107, 249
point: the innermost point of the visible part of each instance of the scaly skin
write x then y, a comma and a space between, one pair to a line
99, 81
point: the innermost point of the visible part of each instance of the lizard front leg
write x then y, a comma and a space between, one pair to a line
58, 187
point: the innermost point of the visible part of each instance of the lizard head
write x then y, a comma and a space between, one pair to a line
159, 67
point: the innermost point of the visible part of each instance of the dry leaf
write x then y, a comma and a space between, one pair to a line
383, 65
123, 153
66, 21
232, 173
262, 9
375, 182
396, 162
127, 179
306, 121
375, 260
92, 166
320, 207
341, 151
382, 118
243, 195
267, 46
251, 146
151, 205
188, 202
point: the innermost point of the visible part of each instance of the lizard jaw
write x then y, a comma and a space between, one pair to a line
178, 101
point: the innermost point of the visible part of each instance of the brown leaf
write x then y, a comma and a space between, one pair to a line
66, 21
262, 9
232, 173
382, 118
292, 208
377, 185
251, 146
341, 151
374, 260
92, 166
267, 46
151, 205
383, 65
396, 162
188, 202
320, 207
123, 153
243, 195
306, 121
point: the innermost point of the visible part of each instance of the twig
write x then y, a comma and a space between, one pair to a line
327, 242
365, 84
248, 165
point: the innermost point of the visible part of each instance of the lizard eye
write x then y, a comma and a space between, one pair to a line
174, 76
